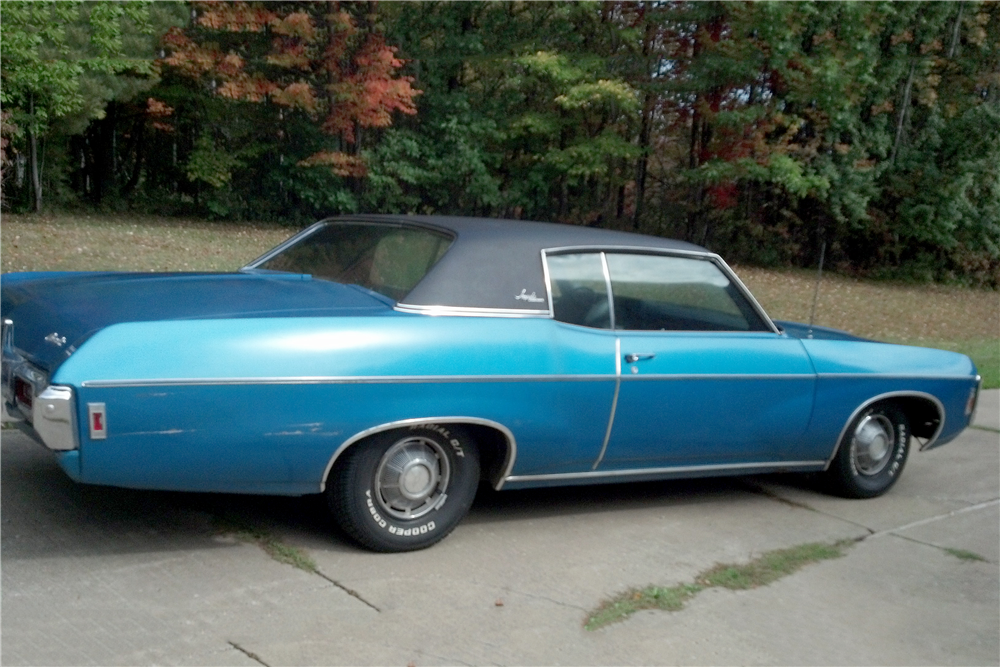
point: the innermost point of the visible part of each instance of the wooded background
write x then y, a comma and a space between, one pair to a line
761, 130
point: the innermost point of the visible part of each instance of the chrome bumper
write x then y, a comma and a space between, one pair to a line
47, 413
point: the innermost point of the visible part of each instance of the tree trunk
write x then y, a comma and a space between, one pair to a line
903, 108
36, 177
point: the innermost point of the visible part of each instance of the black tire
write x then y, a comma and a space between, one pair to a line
872, 453
404, 489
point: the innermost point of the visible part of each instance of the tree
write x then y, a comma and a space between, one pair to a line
42, 73
304, 63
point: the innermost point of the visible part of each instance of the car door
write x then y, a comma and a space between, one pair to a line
705, 378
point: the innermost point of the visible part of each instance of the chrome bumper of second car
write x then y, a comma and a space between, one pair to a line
45, 412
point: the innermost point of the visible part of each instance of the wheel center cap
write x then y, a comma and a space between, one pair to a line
416, 480
878, 448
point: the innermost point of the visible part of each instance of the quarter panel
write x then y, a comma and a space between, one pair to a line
260, 406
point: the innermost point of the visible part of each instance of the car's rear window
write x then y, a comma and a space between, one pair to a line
388, 259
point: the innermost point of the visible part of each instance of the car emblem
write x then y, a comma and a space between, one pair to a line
530, 298
56, 339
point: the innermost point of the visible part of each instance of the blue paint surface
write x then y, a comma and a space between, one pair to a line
252, 383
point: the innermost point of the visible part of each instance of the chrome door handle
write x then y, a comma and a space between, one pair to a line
634, 357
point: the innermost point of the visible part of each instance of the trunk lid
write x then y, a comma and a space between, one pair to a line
54, 313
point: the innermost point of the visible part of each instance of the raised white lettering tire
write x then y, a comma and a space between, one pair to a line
404, 489
872, 453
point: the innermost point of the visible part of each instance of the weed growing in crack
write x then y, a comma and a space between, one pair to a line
271, 545
761, 571
962, 554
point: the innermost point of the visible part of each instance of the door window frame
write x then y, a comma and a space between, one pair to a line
715, 259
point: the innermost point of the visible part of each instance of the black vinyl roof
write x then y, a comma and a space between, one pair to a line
493, 262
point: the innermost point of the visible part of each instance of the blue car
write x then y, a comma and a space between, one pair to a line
393, 362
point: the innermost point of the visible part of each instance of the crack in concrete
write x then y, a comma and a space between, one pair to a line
936, 546
800, 505
985, 428
353, 593
440, 658
548, 599
932, 519
250, 654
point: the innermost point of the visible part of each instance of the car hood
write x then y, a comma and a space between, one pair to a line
808, 331
54, 313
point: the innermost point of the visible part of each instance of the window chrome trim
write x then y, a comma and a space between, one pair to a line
349, 220
498, 483
881, 397
469, 311
742, 289
720, 263
611, 302
284, 245
641, 472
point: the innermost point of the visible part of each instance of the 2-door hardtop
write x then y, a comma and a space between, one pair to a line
392, 362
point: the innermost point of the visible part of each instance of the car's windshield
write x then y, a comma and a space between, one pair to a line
388, 259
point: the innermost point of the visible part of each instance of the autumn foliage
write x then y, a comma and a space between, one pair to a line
318, 58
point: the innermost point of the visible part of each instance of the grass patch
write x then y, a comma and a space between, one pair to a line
651, 597
761, 571
962, 554
65, 242
272, 546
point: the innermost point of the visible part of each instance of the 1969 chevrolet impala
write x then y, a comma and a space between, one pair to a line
392, 362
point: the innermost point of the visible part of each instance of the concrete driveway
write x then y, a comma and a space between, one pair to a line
107, 576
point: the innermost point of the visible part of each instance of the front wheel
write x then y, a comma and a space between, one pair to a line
405, 489
872, 453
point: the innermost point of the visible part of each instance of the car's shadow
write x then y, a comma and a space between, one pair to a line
45, 514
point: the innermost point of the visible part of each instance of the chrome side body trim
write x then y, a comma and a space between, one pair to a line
614, 402
891, 376
462, 311
430, 379
882, 397
642, 472
403, 423
54, 418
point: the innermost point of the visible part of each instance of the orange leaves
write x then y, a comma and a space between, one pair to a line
296, 95
289, 56
298, 25
371, 93
341, 164
308, 56
156, 110
234, 16
186, 55
246, 88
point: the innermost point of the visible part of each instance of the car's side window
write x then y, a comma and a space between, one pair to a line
579, 289
669, 293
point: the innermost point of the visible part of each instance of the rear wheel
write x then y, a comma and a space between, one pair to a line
872, 453
405, 489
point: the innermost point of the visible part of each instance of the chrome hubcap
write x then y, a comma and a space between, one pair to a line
872, 444
412, 478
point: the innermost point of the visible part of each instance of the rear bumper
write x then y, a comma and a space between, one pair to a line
46, 413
